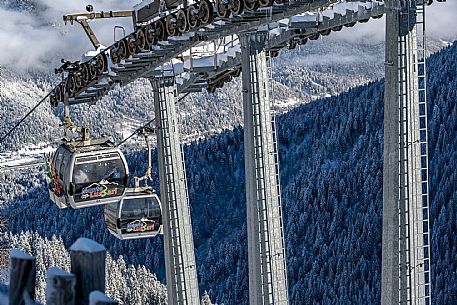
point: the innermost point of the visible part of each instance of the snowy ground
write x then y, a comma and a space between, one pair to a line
27, 155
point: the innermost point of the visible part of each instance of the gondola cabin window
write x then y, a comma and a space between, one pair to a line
98, 177
134, 208
143, 207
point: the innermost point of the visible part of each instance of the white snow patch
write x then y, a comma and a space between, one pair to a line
54, 271
287, 104
19, 254
98, 296
305, 17
87, 245
28, 154
17, 162
447, 43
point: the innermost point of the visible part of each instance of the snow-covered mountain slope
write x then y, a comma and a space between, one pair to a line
320, 68
331, 181
317, 69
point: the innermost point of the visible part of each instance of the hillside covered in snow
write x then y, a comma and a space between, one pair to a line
331, 177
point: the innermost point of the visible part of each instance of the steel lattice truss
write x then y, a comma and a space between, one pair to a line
209, 55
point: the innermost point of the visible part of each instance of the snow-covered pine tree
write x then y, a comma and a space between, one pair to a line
128, 285
206, 300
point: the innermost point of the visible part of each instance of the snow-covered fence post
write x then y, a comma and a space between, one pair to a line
22, 278
60, 287
88, 265
99, 298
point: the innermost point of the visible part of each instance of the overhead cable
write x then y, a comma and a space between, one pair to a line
147, 124
23, 119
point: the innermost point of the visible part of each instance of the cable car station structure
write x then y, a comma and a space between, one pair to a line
245, 35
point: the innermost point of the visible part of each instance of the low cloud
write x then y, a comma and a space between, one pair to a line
442, 20
36, 39
25, 41
441, 24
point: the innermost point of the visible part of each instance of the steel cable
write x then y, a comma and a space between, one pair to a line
148, 123
23, 119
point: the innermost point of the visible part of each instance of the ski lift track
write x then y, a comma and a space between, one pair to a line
142, 63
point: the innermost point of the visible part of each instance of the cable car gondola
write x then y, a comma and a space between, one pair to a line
137, 215
87, 173
139, 212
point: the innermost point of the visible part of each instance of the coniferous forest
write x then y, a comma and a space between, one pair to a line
331, 177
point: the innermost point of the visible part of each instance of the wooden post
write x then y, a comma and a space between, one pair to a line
60, 287
99, 298
88, 265
22, 277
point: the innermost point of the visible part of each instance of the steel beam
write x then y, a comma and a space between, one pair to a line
181, 272
176, 45
405, 275
266, 252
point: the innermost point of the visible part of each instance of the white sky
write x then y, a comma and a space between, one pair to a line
30, 41
33, 41
441, 21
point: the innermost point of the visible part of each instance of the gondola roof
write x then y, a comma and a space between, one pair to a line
79, 147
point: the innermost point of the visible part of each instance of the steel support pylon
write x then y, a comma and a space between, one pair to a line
406, 240
266, 252
181, 272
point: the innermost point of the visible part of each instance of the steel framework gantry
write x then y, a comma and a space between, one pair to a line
266, 251
406, 239
181, 271
267, 265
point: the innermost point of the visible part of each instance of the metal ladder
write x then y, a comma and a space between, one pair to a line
264, 238
279, 259
268, 279
179, 248
414, 239
403, 189
422, 246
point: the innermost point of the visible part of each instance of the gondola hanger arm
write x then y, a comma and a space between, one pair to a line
96, 15
148, 175
84, 18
